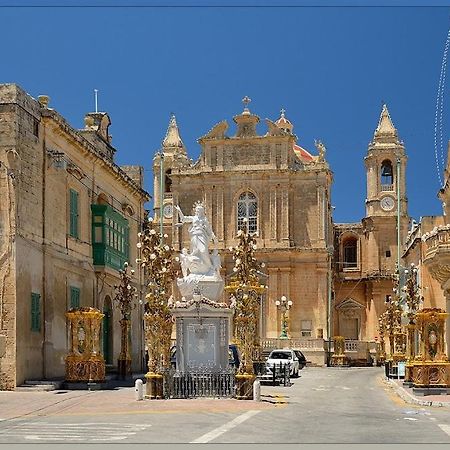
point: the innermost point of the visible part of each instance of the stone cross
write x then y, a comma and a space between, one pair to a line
246, 100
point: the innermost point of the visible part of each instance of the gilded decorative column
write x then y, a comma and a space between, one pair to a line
159, 272
124, 298
246, 291
413, 301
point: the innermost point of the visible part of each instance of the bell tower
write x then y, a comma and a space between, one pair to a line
385, 170
171, 157
386, 202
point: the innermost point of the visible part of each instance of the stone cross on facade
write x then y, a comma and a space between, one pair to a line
246, 100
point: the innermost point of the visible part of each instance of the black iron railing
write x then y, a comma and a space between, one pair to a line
198, 384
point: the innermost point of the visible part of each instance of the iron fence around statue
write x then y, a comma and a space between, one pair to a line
201, 383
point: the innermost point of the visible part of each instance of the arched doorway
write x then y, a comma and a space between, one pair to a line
107, 330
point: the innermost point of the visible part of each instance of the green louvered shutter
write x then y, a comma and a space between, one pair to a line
35, 312
74, 297
73, 214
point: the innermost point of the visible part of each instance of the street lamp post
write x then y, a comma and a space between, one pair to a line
284, 305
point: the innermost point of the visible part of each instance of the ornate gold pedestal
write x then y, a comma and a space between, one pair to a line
431, 368
338, 358
154, 385
244, 386
84, 363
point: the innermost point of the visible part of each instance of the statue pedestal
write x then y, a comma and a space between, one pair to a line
202, 336
210, 286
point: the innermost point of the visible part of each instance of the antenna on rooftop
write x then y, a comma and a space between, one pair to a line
96, 99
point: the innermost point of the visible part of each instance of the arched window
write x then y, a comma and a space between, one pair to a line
168, 181
387, 176
350, 253
247, 208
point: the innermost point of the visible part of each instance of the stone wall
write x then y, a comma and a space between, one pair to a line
43, 258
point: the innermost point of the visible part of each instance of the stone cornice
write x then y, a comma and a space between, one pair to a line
83, 143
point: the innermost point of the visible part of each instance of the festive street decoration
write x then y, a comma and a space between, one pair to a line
84, 363
125, 300
245, 290
159, 266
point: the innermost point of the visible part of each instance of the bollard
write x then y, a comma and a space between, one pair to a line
257, 391
139, 389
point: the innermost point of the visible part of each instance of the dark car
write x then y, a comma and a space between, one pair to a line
301, 358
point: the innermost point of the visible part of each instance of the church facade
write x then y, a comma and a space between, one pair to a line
337, 276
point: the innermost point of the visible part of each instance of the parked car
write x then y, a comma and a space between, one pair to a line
301, 358
283, 356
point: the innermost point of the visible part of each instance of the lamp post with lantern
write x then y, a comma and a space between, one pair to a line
284, 305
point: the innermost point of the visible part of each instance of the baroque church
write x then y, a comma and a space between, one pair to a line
338, 276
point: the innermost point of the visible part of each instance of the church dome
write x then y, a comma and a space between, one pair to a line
284, 123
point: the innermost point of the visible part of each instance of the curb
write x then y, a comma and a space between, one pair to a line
408, 398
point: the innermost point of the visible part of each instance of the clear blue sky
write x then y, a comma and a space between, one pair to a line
330, 68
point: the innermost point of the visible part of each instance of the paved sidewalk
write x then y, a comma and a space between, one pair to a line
407, 395
118, 401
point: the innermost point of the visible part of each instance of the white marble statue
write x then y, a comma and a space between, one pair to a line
199, 266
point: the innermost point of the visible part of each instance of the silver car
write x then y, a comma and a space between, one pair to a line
283, 356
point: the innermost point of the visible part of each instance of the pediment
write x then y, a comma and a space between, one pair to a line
349, 303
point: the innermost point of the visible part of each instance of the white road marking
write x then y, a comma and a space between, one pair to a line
410, 418
444, 427
86, 432
224, 428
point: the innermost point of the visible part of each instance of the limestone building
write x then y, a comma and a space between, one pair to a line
69, 218
338, 276
281, 189
366, 253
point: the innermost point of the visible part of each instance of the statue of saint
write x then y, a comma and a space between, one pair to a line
322, 150
199, 261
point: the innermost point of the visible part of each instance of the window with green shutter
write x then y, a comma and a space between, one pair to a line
74, 297
35, 312
74, 207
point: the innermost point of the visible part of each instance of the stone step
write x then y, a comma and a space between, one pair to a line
35, 387
40, 385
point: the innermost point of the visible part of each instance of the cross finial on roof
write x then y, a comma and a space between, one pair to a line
246, 100
282, 111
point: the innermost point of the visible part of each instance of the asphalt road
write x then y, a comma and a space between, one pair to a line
324, 405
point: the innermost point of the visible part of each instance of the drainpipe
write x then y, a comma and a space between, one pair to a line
44, 297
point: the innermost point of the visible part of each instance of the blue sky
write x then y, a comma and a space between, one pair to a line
330, 68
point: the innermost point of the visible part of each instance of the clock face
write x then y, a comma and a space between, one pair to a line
387, 203
168, 210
